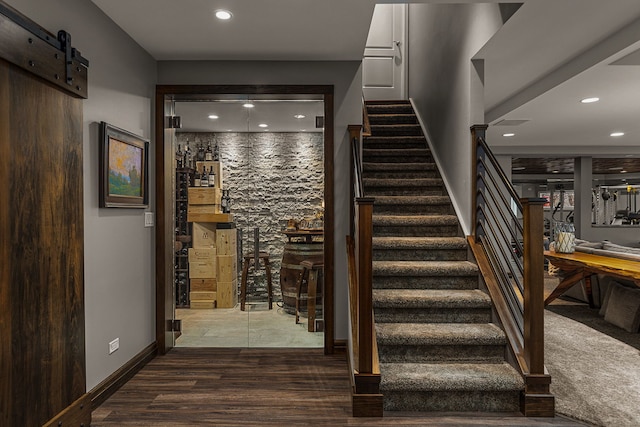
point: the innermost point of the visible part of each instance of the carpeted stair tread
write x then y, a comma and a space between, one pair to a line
397, 167
388, 108
401, 182
430, 298
424, 268
450, 377
414, 220
419, 243
439, 334
412, 200
368, 153
400, 129
392, 118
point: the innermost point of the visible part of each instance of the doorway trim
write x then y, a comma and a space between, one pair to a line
164, 259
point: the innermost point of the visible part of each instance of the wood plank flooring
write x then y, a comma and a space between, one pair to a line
260, 387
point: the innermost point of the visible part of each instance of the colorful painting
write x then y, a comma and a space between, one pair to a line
125, 166
124, 163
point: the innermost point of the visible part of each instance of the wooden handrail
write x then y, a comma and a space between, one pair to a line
366, 126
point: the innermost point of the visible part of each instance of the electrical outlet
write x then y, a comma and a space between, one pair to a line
114, 345
148, 219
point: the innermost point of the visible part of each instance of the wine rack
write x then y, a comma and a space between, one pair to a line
183, 237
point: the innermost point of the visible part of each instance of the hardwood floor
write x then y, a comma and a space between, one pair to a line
259, 387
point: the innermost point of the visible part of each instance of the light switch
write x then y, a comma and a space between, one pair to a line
148, 219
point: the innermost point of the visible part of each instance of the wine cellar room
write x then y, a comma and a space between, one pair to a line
249, 211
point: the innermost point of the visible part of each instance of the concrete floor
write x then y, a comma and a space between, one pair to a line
255, 327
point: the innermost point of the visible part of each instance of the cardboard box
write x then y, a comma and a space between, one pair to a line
202, 255
217, 168
202, 270
205, 196
204, 235
226, 241
201, 295
200, 285
208, 217
203, 304
204, 209
227, 269
227, 294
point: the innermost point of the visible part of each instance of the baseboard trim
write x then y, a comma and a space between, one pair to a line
113, 382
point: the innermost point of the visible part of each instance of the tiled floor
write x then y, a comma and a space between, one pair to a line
255, 327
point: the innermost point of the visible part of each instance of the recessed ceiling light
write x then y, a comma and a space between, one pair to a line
629, 155
555, 171
263, 125
623, 171
299, 116
616, 168
519, 168
508, 135
223, 15
616, 134
248, 105
590, 100
303, 130
213, 116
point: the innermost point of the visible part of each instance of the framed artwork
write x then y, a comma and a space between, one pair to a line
569, 199
124, 168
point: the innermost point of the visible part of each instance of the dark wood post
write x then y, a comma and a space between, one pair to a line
477, 131
364, 265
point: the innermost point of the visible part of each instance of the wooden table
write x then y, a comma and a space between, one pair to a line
581, 265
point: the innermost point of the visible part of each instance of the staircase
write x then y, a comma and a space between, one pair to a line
438, 349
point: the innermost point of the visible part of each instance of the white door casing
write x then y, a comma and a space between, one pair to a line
384, 65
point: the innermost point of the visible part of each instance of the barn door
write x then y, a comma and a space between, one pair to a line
384, 66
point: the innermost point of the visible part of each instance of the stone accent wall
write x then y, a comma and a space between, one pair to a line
272, 177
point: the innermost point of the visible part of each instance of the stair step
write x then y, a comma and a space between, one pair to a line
393, 119
404, 187
401, 107
412, 205
431, 306
393, 155
440, 342
415, 225
399, 170
402, 129
419, 248
404, 142
450, 387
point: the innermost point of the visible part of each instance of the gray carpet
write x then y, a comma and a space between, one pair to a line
596, 377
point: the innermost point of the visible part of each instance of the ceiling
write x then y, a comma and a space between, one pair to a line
537, 67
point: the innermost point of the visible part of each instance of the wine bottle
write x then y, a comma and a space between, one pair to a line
216, 153
196, 179
223, 202
179, 157
204, 178
188, 157
208, 155
212, 177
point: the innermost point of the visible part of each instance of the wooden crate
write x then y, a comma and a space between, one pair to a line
205, 196
227, 294
204, 209
217, 168
204, 235
202, 255
203, 304
208, 217
202, 296
203, 285
202, 270
226, 241
227, 268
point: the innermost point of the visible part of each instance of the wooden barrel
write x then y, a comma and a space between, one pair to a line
290, 270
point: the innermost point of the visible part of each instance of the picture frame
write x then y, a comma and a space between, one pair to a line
124, 168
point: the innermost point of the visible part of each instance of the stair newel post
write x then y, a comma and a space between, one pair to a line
364, 267
537, 399
477, 131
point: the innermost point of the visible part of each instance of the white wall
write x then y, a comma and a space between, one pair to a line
347, 80
119, 251
443, 85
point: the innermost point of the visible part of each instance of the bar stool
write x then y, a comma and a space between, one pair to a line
248, 259
311, 271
